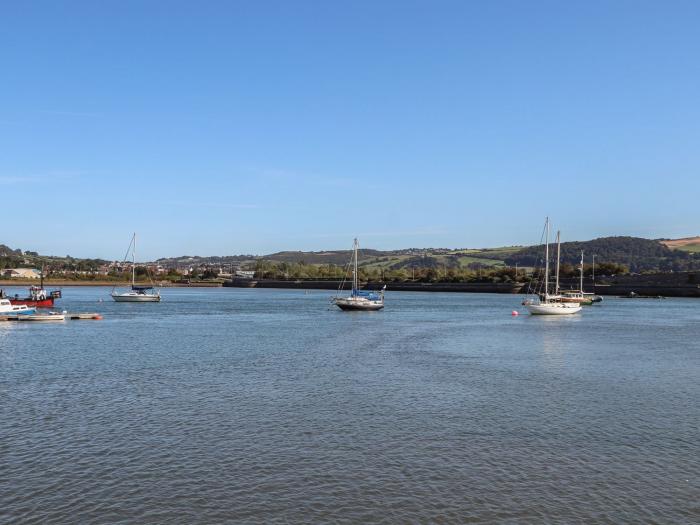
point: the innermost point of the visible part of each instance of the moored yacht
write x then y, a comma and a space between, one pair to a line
547, 304
137, 294
358, 299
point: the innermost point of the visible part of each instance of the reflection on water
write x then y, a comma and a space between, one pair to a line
269, 406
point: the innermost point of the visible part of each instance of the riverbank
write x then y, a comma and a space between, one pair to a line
679, 284
61, 283
394, 287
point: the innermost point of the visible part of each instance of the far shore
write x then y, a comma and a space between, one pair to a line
48, 283
679, 284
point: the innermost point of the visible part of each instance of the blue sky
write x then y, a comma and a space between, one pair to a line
251, 127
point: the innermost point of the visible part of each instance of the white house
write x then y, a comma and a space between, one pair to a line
22, 273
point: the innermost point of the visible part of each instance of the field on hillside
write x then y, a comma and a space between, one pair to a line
689, 244
439, 258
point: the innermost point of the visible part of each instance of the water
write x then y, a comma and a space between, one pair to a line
263, 406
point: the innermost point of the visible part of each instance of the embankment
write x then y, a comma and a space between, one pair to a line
680, 284
61, 283
405, 286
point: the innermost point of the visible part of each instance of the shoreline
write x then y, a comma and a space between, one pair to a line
660, 285
60, 283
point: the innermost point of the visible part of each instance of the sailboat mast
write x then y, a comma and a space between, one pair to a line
556, 289
581, 271
133, 261
546, 260
354, 273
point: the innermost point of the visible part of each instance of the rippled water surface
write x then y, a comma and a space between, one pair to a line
234, 405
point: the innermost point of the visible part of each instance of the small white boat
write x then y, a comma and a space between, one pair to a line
7, 308
359, 299
137, 294
579, 296
576, 296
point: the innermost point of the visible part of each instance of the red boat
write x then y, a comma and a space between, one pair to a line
37, 297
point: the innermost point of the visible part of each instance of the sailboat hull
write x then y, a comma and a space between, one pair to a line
354, 304
135, 298
554, 308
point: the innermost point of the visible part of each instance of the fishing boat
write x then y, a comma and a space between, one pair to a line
7, 308
38, 296
138, 293
358, 299
547, 304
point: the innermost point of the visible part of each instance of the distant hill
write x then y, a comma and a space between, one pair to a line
6, 251
637, 254
196, 260
338, 257
400, 259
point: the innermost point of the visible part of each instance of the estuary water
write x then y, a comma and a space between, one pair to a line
269, 406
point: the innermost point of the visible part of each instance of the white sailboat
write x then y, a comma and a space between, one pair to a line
579, 296
137, 294
358, 299
550, 304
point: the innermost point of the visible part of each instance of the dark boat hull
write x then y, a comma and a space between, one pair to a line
357, 308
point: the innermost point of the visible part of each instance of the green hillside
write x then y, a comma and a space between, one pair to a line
688, 244
402, 259
634, 253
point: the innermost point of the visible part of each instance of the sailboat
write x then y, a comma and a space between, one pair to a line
579, 296
137, 294
550, 304
358, 299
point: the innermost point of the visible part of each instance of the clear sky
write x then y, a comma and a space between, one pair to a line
216, 128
